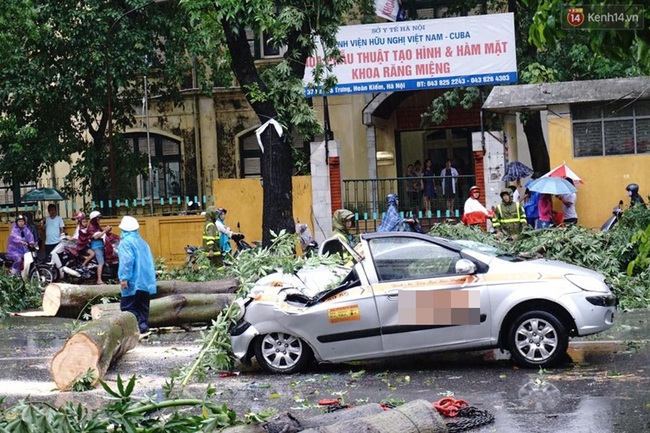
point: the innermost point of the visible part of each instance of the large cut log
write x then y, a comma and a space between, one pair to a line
175, 310
292, 423
96, 346
71, 300
417, 416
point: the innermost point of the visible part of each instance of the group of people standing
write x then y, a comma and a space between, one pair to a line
422, 189
511, 215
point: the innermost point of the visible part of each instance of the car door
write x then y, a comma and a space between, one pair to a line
423, 304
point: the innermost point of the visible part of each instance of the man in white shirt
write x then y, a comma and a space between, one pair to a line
569, 206
54, 226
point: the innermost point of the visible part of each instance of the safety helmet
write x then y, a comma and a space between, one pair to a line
505, 191
474, 188
20, 217
221, 210
129, 224
79, 215
392, 198
633, 187
94, 214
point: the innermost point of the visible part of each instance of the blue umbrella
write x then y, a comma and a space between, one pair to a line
44, 194
552, 185
516, 170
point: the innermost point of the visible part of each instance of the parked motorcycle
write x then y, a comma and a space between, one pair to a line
413, 226
308, 244
32, 269
612, 220
67, 264
194, 252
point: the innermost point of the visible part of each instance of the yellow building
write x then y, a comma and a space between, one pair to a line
599, 128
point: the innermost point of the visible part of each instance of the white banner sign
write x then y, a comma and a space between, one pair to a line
411, 55
387, 9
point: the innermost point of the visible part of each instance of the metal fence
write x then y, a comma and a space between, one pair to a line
367, 199
161, 206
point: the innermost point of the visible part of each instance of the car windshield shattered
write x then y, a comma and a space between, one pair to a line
489, 250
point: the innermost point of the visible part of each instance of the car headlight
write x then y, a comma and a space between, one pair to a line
588, 283
239, 308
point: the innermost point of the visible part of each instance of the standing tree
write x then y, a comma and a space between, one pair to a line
275, 92
57, 58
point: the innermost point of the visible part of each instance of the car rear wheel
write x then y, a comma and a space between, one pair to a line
279, 352
538, 339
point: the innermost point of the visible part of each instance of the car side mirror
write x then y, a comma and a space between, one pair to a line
465, 267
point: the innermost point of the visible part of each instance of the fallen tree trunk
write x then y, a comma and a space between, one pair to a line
71, 300
417, 416
175, 310
95, 347
290, 423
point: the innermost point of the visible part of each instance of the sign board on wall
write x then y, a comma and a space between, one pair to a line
428, 54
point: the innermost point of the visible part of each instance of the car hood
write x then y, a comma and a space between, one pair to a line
309, 281
555, 267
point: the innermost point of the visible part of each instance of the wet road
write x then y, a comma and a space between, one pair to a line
604, 389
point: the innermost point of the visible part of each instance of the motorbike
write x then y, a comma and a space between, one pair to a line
67, 264
32, 269
308, 244
413, 226
612, 220
194, 252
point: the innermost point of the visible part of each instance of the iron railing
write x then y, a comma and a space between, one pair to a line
367, 199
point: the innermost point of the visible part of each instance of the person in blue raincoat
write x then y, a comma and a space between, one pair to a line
17, 244
136, 272
392, 221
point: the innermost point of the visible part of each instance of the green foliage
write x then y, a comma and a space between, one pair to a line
85, 381
620, 254
641, 260
249, 267
546, 33
123, 414
57, 56
17, 295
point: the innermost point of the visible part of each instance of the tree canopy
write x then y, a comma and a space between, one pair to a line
57, 58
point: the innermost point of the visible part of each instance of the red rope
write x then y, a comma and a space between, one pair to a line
449, 406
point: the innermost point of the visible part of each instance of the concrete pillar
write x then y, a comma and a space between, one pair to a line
322, 202
510, 129
209, 162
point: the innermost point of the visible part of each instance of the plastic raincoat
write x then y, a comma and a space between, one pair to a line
136, 264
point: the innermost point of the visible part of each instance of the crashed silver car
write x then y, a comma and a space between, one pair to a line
408, 293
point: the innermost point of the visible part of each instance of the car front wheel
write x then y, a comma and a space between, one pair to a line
279, 352
537, 339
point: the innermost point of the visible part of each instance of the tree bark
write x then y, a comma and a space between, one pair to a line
175, 310
71, 300
290, 423
95, 347
537, 145
417, 416
277, 161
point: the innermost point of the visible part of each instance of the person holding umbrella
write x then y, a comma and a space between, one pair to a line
509, 217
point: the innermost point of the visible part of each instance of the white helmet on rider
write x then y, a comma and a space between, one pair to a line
129, 224
94, 214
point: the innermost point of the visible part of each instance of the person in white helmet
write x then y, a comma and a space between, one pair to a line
136, 272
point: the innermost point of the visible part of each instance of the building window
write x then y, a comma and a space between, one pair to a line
613, 128
251, 155
166, 164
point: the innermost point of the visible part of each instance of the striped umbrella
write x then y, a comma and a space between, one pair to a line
515, 170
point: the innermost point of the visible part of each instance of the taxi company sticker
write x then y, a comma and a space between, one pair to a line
344, 314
